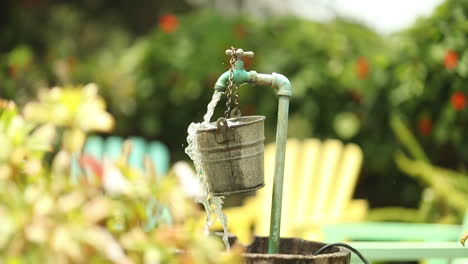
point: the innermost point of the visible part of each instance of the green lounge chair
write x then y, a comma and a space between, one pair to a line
388, 241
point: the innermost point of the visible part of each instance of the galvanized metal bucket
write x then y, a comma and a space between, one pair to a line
232, 154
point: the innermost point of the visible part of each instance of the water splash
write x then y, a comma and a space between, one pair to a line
217, 201
213, 204
211, 106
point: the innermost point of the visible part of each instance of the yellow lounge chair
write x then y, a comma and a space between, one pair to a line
320, 178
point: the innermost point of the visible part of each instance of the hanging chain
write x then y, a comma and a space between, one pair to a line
236, 111
232, 61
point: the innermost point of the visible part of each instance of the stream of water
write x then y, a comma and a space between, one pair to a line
213, 204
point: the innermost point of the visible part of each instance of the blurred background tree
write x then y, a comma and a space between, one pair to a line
157, 62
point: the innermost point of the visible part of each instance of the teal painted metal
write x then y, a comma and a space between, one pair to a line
284, 91
240, 77
282, 84
221, 83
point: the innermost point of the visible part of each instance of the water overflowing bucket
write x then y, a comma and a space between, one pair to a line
232, 154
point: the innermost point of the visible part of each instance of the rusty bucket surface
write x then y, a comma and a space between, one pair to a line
232, 154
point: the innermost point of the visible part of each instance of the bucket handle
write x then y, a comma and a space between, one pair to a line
223, 132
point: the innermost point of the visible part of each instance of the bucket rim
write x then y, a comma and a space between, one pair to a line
253, 119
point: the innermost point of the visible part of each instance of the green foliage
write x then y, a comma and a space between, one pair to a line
427, 71
449, 185
320, 60
145, 83
430, 70
347, 80
46, 217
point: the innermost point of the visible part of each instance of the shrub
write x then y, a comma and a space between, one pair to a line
46, 216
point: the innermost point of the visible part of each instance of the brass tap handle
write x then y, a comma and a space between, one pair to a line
239, 53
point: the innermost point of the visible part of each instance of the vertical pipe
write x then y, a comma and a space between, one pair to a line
281, 135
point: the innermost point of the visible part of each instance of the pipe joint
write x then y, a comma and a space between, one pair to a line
281, 84
252, 77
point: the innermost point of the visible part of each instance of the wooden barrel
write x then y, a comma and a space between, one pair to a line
294, 251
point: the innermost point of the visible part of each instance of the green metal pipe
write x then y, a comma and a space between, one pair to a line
282, 84
276, 201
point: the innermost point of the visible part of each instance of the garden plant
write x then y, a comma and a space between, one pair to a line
401, 97
103, 215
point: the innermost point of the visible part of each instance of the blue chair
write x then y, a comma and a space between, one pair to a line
138, 153
94, 146
159, 154
112, 147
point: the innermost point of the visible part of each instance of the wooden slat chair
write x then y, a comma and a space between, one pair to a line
319, 182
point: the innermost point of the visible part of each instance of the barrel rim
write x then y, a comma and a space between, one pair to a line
339, 252
254, 119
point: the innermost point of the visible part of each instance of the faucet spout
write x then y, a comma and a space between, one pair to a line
221, 83
240, 76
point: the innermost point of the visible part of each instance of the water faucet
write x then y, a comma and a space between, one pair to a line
284, 91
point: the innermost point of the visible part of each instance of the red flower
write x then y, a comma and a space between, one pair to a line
247, 62
451, 59
362, 68
32, 3
211, 79
248, 109
458, 101
13, 70
89, 162
239, 31
168, 23
425, 126
71, 62
356, 96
